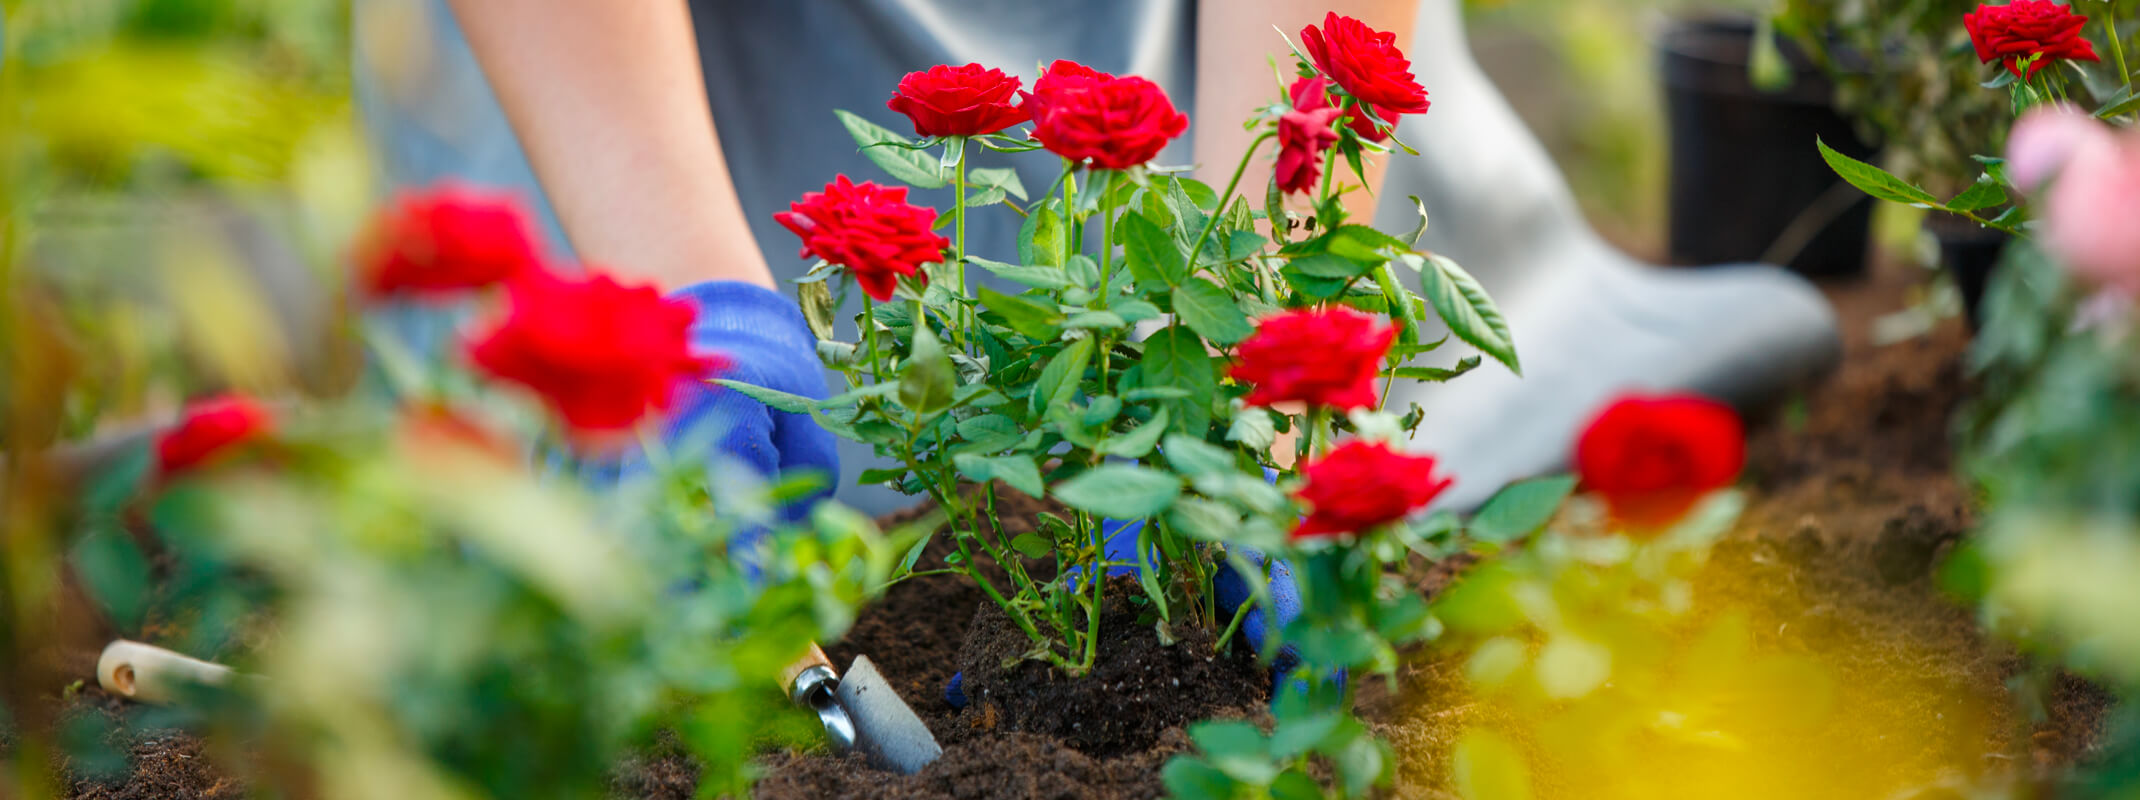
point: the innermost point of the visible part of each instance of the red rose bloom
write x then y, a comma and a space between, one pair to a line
448, 239
602, 355
1652, 457
958, 101
1118, 123
1304, 133
1360, 485
1058, 79
869, 229
1326, 357
2022, 28
1365, 63
209, 429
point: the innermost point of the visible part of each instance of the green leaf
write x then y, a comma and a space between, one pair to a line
1211, 312
1983, 194
1295, 737
893, 152
1365, 245
1294, 784
1152, 255
1254, 429
1362, 764
1036, 277
2126, 105
1042, 238
1471, 315
989, 433
773, 398
1192, 456
1236, 748
1328, 265
1137, 443
1120, 491
1175, 356
1083, 270
1209, 520
928, 378
1420, 229
116, 572
1316, 287
1874, 180
1059, 379
1189, 779
1135, 310
1274, 210
1018, 472
1002, 178
1032, 545
1438, 374
1521, 509
1021, 315
1096, 320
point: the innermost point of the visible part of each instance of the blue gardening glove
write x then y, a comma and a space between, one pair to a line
1232, 588
767, 343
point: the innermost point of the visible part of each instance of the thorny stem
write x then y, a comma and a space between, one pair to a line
1219, 210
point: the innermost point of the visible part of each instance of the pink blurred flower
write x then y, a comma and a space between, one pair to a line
2043, 140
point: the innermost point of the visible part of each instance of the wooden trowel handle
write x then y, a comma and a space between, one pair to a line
814, 658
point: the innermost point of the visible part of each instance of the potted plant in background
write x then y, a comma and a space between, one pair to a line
1913, 75
1741, 105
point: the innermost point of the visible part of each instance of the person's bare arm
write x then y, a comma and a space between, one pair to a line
609, 103
1234, 42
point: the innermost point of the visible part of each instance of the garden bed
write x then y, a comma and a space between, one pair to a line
1852, 503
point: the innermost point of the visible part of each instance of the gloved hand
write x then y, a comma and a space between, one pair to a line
1231, 587
767, 343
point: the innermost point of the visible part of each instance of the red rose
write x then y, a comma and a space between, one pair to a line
1304, 133
1118, 123
447, 239
1326, 357
958, 101
2023, 28
1058, 79
1360, 485
602, 355
869, 229
1652, 457
1367, 64
208, 429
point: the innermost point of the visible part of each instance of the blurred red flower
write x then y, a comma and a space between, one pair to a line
958, 101
869, 229
1304, 133
600, 354
1359, 485
209, 429
1322, 357
446, 239
1365, 63
1080, 113
1652, 456
2022, 28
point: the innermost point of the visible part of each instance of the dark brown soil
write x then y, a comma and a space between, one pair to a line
1138, 688
1852, 505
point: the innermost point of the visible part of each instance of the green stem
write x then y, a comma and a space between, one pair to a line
1096, 575
869, 336
1219, 210
1240, 612
1107, 234
958, 217
1319, 434
1071, 239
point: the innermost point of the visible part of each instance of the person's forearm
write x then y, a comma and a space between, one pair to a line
609, 103
1233, 78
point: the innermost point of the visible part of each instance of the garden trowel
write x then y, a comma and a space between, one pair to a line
862, 712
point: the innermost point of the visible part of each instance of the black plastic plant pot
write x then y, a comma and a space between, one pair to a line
1968, 252
1747, 182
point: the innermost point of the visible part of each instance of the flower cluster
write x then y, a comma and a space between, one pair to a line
1321, 357
1361, 485
871, 230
